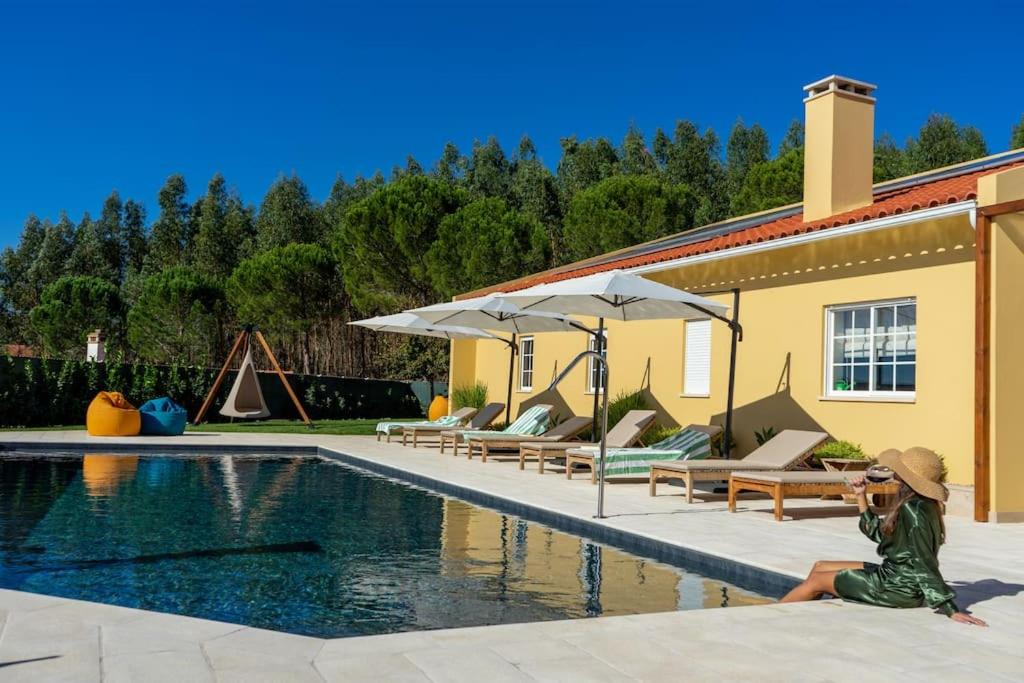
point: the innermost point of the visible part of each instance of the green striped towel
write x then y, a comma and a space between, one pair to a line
531, 423
687, 444
395, 427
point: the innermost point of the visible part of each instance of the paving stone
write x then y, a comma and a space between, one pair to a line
157, 667
391, 668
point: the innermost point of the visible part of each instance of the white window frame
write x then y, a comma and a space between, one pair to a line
591, 370
829, 389
526, 373
686, 357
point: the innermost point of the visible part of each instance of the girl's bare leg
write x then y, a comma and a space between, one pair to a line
821, 580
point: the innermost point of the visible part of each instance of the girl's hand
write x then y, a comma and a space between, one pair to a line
859, 485
965, 618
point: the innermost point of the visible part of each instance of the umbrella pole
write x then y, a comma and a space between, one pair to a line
598, 386
512, 348
734, 328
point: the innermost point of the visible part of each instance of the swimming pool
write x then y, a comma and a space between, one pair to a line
307, 545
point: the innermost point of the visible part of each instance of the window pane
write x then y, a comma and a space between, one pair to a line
861, 377
852, 321
904, 347
906, 377
883, 349
851, 350
906, 318
861, 320
883, 377
841, 378
885, 319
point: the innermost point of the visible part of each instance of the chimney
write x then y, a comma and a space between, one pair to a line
94, 351
839, 137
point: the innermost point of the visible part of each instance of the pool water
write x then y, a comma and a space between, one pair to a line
306, 545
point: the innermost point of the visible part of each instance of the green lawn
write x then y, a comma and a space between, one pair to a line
347, 427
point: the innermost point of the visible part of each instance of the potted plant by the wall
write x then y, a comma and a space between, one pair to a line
842, 456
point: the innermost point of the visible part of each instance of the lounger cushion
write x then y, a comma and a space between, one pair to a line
395, 427
782, 452
684, 445
713, 466
817, 477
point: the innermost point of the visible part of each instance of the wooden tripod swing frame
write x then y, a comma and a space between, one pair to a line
243, 341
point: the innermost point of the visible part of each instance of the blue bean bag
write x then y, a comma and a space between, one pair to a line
162, 417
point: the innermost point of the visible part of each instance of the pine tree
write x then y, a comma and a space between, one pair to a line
771, 184
383, 240
17, 296
794, 138
583, 165
110, 229
52, 258
746, 148
288, 215
942, 142
625, 210
482, 243
489, 173
1017, 134
634, 157
168, 239
133, 237
217, 247
890, 161
451, 167
90, 252
535, 194
692, 159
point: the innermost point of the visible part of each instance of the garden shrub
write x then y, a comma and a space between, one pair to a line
841, 449
470, 396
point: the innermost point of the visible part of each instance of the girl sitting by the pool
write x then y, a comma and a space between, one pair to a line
908, 541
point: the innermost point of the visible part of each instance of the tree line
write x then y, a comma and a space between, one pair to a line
176, 289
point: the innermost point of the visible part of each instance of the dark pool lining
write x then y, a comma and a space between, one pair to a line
757, 579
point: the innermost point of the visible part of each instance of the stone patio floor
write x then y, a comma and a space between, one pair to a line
45, 638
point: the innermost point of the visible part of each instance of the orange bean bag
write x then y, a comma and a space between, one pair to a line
438, 408
110, 414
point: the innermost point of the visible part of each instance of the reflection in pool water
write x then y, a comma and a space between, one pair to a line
308, 546
102, 473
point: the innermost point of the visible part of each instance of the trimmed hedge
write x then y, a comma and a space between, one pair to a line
36, 392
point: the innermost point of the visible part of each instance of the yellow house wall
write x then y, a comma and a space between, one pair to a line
1007, 427
780, 366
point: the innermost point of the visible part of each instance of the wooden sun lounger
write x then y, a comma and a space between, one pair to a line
486, 415
457, 436
564, 431
788, 449
778, 485
463, 414
586, 459
625, 433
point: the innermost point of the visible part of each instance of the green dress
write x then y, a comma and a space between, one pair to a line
909, 574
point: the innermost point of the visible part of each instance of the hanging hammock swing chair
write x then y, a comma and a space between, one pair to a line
245, 399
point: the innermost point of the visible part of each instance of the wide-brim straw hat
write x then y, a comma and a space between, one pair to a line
920, 468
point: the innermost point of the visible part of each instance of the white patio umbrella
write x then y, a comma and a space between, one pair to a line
494, 312
615, 294
407, 323
491, 312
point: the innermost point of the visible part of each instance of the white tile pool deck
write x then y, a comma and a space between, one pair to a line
54, 639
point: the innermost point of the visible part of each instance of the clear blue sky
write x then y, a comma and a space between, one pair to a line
98, 96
